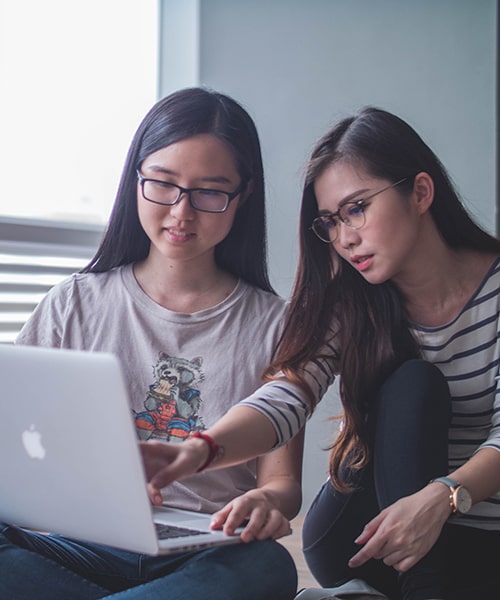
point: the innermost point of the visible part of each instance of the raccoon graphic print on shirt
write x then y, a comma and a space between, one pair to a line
173, 400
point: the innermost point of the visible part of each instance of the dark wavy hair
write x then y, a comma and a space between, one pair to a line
183, 114
370, 325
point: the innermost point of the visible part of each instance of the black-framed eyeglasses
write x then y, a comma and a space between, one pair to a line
204, 199
352, 214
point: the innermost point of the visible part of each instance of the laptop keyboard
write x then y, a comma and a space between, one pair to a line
165, 532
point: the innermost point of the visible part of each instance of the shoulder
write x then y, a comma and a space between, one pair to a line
494, 270
490, 283
79, 299
78, 287
263, 309
262, 298
95, 282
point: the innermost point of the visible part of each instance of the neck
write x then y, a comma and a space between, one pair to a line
184, 286
437, 291
437, 280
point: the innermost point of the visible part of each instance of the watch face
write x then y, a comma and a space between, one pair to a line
463, 501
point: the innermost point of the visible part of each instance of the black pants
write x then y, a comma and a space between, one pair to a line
409, 428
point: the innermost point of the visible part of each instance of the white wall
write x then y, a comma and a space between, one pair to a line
299, 65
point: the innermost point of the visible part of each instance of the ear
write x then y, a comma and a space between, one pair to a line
423, 191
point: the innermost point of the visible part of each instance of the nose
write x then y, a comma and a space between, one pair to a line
346, 236
182, 210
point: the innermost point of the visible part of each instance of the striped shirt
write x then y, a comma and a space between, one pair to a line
466, 350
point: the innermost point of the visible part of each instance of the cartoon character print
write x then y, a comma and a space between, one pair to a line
172, 401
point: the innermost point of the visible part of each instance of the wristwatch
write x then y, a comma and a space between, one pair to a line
460, 498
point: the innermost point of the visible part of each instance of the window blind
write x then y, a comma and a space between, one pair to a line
34, 256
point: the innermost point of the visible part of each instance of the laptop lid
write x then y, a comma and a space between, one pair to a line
69, 457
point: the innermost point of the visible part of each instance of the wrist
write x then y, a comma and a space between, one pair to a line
200, 451
212, 450
459, 497
441, 498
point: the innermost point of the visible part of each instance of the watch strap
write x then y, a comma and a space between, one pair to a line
452, 485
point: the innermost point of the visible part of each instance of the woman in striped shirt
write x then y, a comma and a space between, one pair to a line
397, 291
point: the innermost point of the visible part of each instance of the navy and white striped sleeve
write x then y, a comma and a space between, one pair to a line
493, 440
286, 405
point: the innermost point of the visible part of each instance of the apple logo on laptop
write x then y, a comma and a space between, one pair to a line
32, 441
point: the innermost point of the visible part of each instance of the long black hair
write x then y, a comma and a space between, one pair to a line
183, 114
370, 326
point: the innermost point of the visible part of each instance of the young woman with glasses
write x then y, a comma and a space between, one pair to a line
397, 292
179, 291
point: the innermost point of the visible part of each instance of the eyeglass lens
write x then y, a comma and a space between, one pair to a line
327, 227
169, 194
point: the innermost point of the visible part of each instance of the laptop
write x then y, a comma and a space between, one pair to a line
69, 456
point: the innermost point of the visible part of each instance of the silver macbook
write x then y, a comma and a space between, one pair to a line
69, 457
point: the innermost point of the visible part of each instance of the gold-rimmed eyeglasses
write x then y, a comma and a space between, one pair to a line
352, 214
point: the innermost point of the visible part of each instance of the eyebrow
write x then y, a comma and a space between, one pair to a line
163, 171
344, 201
352, 197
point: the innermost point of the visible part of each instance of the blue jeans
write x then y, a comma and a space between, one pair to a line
41, 567
408, 425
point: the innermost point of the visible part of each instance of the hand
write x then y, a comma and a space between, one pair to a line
263, 519
404, 532
165, 462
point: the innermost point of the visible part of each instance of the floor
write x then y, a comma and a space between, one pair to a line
293, 543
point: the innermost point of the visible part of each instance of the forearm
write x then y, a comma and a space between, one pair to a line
243, 433
480, 474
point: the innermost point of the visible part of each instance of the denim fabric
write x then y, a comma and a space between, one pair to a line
409, 428
40, 567
408, 424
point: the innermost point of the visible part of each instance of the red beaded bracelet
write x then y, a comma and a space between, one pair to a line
214, 449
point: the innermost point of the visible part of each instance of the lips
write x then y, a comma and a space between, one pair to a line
358, 259
178, 234
362, 262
